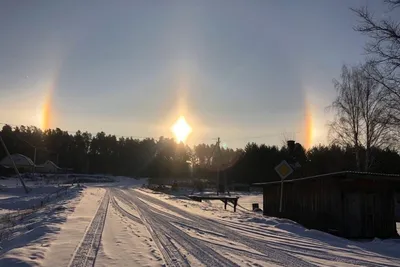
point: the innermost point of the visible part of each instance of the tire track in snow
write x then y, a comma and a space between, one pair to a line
303, 250
243, 253
274, 254
204, 253
160, 223
170, 252
230, 248
125, 213
86, 253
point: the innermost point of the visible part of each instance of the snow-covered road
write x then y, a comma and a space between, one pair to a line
122, 225
189, 239
186, 239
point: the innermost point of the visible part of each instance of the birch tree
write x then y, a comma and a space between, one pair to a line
361, 117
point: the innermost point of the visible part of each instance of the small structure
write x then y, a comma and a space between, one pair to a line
22, 162
48, 167
225, 199
348, 204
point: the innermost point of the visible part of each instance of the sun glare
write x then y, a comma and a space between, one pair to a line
309, 127
181, 130
46, 111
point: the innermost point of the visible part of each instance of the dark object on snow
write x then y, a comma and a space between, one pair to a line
347, 204
233, 200
174, 186
256, 208
61, 208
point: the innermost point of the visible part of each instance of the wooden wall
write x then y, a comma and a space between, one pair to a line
353, 208
314, 203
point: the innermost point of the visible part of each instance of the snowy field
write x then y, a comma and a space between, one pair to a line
121, 224
13, 197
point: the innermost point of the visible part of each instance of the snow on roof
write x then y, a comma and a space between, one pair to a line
341, 173
19, 159
48, 163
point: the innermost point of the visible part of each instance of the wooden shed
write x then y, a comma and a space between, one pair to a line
348, 204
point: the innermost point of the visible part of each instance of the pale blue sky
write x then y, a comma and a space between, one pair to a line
234, 69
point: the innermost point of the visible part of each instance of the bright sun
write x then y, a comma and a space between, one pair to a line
181, 129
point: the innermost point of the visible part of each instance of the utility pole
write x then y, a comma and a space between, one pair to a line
216, 157
34, 153
226, 181
218, 163
14, 166
34, 161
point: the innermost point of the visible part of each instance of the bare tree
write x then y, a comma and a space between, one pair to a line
361, 118
376, 116
383, 50
393, 3
346, 127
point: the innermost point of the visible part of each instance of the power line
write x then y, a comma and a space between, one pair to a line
259, 136
31, 145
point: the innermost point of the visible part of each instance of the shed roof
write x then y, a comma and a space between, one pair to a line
19, 160
48, 164
352, 174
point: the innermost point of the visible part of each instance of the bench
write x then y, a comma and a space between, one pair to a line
233, 200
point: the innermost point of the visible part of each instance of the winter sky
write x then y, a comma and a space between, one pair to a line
241, 70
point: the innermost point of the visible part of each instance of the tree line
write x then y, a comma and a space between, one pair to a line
165, 160
103, 153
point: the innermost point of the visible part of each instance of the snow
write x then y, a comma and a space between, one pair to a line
316, 247
213, 208
73, 229
247, 199
30, 239
121, 224
126, 243
13, 197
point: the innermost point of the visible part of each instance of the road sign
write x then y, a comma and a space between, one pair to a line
284, 169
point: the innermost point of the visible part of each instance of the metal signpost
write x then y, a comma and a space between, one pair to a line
284, 170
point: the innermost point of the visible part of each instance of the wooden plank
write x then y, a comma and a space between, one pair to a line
233, 200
